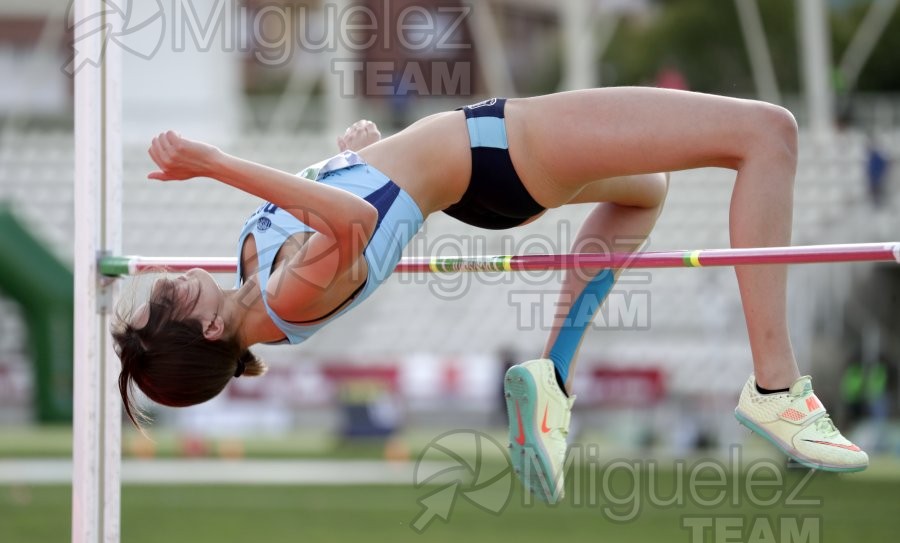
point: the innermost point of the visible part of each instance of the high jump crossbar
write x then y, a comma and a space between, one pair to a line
813, 254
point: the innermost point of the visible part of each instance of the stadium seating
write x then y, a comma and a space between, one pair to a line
692, 318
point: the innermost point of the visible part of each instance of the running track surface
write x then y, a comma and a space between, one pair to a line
231, 472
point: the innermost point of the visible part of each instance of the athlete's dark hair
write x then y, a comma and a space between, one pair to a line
170, 360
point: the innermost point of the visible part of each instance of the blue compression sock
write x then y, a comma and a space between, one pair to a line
580, 316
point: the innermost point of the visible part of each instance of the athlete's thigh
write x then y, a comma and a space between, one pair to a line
644, 190
562, 142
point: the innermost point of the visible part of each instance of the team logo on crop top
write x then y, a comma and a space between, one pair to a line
263, 224
486, 103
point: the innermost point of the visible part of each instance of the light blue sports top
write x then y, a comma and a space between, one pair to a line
399, 218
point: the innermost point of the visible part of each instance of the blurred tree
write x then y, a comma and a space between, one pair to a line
880, 73
703, 40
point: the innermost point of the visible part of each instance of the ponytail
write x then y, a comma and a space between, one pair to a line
171, 361
248, 365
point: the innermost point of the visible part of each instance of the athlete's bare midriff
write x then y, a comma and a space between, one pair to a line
431, 160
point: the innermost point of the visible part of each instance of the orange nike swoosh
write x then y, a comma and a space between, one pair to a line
520, 439
544, 427
850, 447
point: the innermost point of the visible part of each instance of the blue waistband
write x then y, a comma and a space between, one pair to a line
487, 124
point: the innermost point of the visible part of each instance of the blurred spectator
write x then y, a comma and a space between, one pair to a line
844, 111
864, 388
507, 358
852, 392
670, 77
877, 167
400, 102
878, 403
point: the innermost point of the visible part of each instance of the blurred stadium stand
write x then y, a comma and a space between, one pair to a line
444, 333
692, 329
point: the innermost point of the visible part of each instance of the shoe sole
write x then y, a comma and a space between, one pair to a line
520, 389
791, 453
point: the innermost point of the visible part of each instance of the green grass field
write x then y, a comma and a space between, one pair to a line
852, 509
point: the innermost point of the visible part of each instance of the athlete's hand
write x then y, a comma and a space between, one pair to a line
179, 158
359, 136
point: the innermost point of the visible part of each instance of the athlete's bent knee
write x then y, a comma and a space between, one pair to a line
778, 131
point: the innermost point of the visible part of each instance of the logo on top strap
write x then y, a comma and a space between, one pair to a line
812, 403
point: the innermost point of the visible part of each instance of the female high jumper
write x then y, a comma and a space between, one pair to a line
327, 238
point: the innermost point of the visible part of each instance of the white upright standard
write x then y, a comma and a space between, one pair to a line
98, 227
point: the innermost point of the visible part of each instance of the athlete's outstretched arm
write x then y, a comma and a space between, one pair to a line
332, 212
